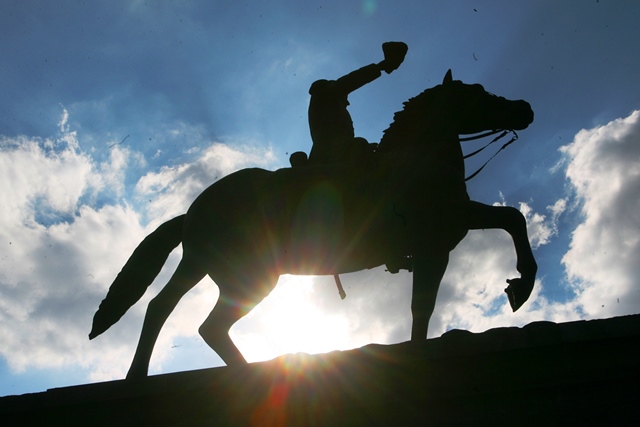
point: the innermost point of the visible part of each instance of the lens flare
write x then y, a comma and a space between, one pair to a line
369, 7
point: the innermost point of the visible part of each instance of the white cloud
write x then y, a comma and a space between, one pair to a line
602, 263
33, 170
63, 124
56, 253
171, 190
66, 231
540, 229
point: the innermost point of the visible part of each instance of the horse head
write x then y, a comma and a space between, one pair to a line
450, 109
472, 109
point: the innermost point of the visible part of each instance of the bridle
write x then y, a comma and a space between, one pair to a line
503, 133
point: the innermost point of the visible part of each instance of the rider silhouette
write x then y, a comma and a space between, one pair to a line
330, 123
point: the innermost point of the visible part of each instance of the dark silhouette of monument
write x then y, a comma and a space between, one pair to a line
408, 200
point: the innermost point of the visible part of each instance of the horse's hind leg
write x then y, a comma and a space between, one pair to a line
185, 277
240, 292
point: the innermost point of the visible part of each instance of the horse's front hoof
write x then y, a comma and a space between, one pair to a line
518, 292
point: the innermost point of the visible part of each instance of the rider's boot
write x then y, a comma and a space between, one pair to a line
400, 263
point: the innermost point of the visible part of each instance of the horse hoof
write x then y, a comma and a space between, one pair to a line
518, 292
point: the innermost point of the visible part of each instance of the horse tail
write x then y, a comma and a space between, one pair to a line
137, 274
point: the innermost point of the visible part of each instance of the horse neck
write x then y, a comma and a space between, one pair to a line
443, 147
424, 127
432, 168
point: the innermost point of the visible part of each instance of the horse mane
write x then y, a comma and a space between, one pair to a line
405, 130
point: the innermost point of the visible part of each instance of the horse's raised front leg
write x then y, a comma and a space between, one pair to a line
428, 270
480, 216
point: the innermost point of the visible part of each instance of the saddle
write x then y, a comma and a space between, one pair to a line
360, 153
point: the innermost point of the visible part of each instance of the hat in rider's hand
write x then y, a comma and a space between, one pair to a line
394, 53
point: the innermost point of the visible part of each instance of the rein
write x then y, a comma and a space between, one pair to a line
497, 138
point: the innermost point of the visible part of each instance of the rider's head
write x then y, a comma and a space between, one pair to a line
325, 89
319, 86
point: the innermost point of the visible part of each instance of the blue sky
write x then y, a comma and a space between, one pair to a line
115, 115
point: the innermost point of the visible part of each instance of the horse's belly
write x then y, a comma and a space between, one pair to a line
313, 260
330, 248
317, 226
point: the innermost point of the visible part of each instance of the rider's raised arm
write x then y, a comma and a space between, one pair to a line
356, 79
394, 53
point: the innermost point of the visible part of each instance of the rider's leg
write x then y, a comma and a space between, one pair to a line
429, 267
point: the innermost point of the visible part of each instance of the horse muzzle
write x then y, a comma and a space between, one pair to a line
522, 115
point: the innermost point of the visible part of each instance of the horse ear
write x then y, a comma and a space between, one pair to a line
448, 78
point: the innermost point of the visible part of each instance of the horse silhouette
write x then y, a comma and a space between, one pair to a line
408, 200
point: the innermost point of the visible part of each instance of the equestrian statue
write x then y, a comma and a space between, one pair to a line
350, 206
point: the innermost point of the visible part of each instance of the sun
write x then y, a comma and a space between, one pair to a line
290, 321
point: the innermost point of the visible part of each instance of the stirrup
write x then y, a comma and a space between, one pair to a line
402, 263
343, 295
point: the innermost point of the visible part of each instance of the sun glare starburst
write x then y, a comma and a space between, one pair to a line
291, 322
